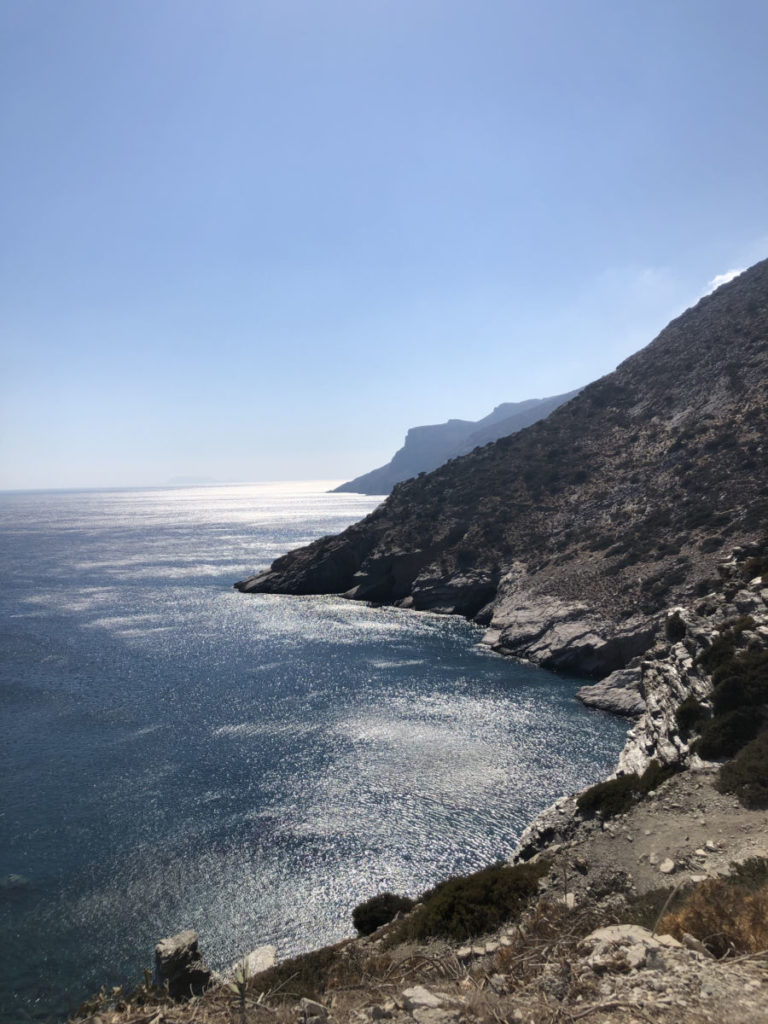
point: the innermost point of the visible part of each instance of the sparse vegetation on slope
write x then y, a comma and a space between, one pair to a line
615, 796
463, 907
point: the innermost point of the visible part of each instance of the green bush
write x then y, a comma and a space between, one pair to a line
742, 682
461, 908
725, 735
655, 774
612, 797
722, 650
690, 715
674, 628
747, 774
379, 910
617, 795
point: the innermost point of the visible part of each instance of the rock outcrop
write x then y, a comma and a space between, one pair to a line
570, 537
180, 967
621, 693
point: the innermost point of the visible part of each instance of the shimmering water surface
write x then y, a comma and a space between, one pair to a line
175, 754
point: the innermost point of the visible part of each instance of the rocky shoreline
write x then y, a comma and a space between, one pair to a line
655, 684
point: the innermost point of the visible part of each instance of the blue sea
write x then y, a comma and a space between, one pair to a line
175, 754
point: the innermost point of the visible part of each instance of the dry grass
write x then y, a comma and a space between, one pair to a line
728, 919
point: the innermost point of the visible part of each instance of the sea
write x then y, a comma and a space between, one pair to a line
175, 754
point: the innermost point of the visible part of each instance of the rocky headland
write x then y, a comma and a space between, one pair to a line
425, 448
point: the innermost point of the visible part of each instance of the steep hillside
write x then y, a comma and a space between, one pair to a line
426, 448
567, 537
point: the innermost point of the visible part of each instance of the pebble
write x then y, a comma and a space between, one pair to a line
667, 866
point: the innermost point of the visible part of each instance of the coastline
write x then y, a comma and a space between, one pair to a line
684, 830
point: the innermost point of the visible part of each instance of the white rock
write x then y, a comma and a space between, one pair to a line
419, 997
258, 960
667, 866
635, 956
691, 942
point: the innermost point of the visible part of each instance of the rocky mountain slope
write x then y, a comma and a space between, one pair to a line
428, 447
569, 537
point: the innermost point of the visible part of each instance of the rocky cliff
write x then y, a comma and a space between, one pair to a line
428, 447
569, 537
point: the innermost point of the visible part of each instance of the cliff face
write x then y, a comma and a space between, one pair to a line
428, 447
568, 537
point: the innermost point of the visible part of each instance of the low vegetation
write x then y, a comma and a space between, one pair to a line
379, 910
729, 915
463, 907
617, 795
675, 628
739, 719
690, 715
747, 774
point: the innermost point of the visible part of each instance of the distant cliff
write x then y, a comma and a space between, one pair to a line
569, 537
428, 447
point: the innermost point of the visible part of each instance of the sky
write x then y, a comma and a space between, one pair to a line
258, 239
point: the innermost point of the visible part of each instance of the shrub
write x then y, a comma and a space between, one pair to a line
721, 650
655, 774
308, 975
747, 774
461, 908
646, 908
674, 628
742, 682
617, 795
379, 910
726, 916
612, 797
725, 735
690, 715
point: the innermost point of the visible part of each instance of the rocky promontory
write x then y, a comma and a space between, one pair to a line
425, 448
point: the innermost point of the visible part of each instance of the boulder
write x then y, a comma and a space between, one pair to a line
179, 965
620, 693
258, 960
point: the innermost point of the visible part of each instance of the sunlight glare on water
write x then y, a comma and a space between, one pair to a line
176, 754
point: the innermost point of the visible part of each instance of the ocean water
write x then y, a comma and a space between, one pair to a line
175, 754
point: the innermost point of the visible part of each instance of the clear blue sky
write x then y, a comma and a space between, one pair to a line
256, 240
